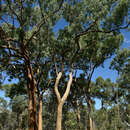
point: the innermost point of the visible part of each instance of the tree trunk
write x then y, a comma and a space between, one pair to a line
20, 120
59, 117
78, 118
40, 114
32, 100
90, 115
61, 100
90, 122
117, 101
76, 110
89, 110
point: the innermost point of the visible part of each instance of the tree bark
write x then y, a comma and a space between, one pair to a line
90, 122
89, 109
77, 113
61, 100
78, 118
59, 107
20, 120
40, 114
31, 83
59, 117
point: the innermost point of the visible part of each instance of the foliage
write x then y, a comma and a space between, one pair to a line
34, 53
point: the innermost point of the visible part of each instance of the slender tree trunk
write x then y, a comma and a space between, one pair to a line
118, 107
90, 122
90, 110
61, 100
77, 114
40, 114
117, 100
32, 100
59, 117
102, 104
78, 118
20, 120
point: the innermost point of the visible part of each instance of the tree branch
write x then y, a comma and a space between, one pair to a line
56, 86
87, 30
102, 31
68, 88
41, 9
12, 10
90, 75
41, 23
55, 66
9, 47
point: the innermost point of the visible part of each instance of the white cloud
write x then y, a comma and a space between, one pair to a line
127, 41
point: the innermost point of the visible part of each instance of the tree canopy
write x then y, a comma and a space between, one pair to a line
57, 66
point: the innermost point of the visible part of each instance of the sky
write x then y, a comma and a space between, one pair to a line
106, 72
100, 71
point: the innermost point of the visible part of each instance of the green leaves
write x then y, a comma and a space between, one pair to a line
122, 58
91, 33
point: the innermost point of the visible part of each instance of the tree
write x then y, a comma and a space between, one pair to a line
7, 118
121, 64
86, 32
105, 91
28, 42
17, 103
20, 29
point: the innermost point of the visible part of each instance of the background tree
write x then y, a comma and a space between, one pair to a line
121, 63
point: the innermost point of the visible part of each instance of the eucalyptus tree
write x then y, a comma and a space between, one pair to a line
7, 117
121, 63
24, 28
104, 90
17, 98
91, 36
77, 97
77, 100
19, 107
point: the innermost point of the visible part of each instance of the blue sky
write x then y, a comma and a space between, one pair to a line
104, 72
100, 71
